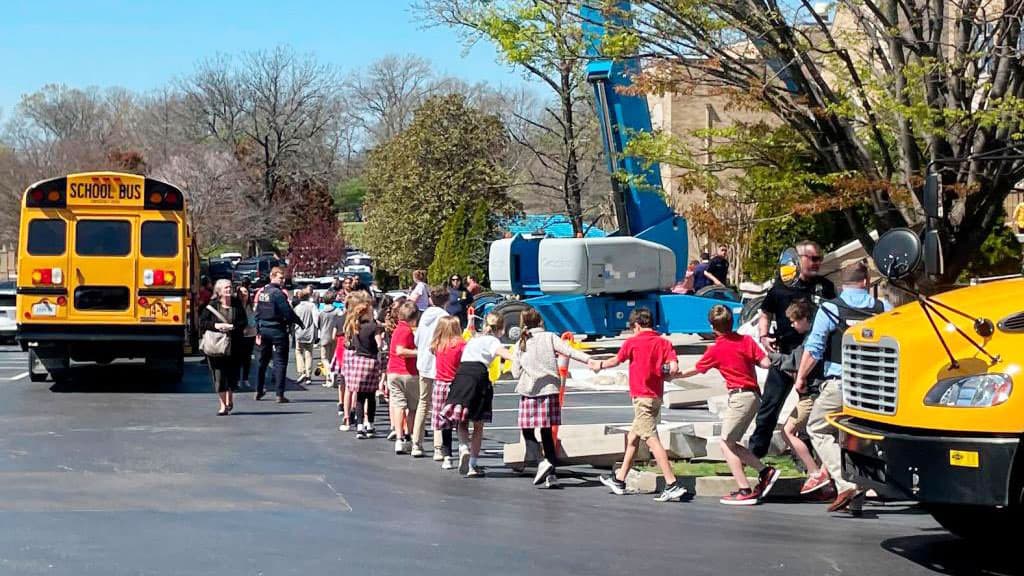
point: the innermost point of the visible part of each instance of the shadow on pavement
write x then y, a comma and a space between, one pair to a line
133, 379
946, 554
269, 413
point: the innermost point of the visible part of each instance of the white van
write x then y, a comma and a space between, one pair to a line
8, 311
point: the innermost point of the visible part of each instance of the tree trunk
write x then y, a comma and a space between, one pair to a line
571, 184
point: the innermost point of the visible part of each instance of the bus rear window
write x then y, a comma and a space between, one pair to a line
103, 238
159, 239
47, 237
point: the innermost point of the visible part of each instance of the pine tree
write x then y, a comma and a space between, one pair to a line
449, 255
476, 242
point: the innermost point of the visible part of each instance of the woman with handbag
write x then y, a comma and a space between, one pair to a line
248, 337
223, 323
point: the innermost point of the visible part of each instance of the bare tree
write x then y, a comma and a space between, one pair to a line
278, 112
544, 38
383, 97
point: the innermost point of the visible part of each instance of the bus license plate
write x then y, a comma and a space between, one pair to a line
964, 459
44, 309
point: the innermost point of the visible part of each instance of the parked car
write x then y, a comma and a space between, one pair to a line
234, 257
321, 285
255, 270
359, 259
8, 311
219, 268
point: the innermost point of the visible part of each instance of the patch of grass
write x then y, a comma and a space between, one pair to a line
784, 464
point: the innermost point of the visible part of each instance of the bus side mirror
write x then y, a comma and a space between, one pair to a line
789, 266
897, 253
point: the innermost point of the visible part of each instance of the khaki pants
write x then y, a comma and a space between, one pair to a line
646, 415
423, 412
326, 357
824, 437
304, 359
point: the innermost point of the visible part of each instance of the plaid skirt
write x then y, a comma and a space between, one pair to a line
471, 396
362, 374
438, 398
540, 411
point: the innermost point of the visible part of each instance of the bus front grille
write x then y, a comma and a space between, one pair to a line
871, 375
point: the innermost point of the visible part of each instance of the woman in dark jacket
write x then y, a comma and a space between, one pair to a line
224, 369
458, 299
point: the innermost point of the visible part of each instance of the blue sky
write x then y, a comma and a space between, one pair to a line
144, 44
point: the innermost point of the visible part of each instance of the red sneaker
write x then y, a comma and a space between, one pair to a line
742, 498
815, 482
766, 481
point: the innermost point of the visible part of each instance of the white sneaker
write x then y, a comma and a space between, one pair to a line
417, 451
447, 464
345, 427
463, 462
543, 470
392, 436
369, 430
551, 481
399, 447
438, 455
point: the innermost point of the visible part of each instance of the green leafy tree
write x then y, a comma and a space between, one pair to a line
543, 38
878, 94
450, 153
462, 248
450, 254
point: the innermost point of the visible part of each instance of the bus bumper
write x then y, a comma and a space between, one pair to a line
929, 466
94, 342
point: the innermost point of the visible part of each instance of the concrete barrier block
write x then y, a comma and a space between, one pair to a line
718, 486
644, 482
692, 394
682, 445
583, 444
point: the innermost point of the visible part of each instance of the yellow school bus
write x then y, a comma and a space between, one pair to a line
106, 269
934, 403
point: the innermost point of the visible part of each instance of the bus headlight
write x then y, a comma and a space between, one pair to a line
977, 391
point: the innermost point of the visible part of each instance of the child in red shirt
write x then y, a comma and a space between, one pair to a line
648, 355
447, 347
735, 356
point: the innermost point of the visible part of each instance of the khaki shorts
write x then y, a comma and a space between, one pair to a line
403, 389
646, 415
742, 409
801, 413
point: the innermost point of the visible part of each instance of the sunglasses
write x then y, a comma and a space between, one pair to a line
813, 258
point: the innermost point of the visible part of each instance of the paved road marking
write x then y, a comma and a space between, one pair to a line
490, 428
576, 392
615, 407
17, 376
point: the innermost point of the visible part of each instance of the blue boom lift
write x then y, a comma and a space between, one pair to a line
589, 286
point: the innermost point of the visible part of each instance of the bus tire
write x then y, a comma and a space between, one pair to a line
36, 371
981, 523
168, 368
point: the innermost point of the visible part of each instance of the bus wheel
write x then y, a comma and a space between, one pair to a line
36, 371
979, 522
169, 368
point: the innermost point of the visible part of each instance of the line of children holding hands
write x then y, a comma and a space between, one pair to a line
462, 391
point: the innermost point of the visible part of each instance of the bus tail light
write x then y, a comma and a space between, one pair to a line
158, 277
143, 302
50, 276
48, 194
62, 301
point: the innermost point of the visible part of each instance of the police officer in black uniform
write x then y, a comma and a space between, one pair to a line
274, 318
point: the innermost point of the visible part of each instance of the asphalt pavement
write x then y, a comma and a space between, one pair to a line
116, 473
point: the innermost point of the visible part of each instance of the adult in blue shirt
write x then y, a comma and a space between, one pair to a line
700, 276
824, 343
